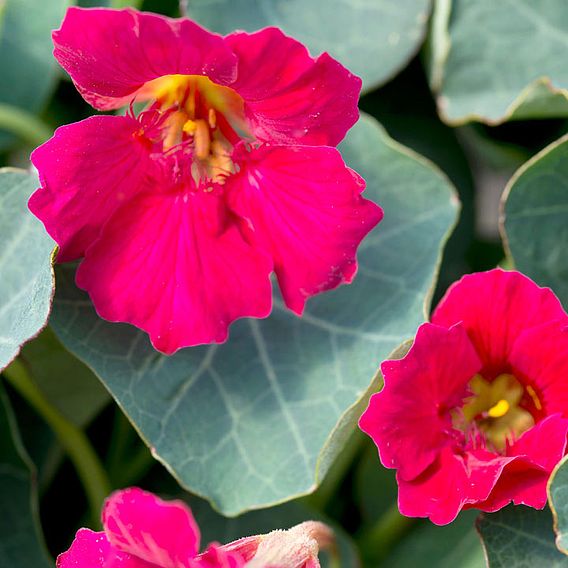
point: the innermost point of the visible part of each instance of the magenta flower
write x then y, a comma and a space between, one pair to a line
142, 531
476, 414
181, 212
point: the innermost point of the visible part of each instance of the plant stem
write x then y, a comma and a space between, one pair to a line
24, 125
378, 540
337, 473
74, 441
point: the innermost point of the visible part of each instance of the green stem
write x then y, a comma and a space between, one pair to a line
377, 541
337, 473
74, 441
24, 125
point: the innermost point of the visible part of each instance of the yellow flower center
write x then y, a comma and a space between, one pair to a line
495, 410
203, 117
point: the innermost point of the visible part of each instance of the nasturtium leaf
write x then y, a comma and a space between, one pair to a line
26, 286
558, 501
535, 222
29, 71
373, 38
500, 60
520, 537
21, 543
259, 420
451, 546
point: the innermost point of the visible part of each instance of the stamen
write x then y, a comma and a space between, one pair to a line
202, 139
534, 397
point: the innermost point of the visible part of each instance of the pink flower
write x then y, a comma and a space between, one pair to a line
142, 531
181, 212
476, 414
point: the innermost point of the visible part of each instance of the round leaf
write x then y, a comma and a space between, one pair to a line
519, 537
259, 420
535, 222
494, 61
373, 38
26, 287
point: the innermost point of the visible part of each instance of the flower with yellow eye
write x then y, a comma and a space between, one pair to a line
476, 414
223, 170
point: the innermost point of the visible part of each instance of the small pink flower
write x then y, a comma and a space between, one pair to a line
181, 212
142, 531
476, 414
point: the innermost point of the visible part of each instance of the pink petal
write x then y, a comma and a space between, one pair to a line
217, 556
92, 550
160, 532
495, 308
524, 480
289, 96
87, 170
540, 358
305, 210
451, 482
110, 54
409, 420
175, 265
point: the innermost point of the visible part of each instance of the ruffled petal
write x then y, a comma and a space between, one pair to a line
93, 550
160, 532
449, 484
409, 420
495, 308
216, 556
537, 451
289, 96
175, 265
87, 170
110, 54
540, 358
305, 209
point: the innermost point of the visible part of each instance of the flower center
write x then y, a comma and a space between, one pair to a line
201, 119
497, 410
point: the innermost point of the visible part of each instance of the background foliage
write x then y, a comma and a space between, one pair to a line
463, 143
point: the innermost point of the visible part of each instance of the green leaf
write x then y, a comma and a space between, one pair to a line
21, 543
373, 38
259, 420
520, 537
558, 501
451, 546
499, 60
29, 71
26, 287
535, 223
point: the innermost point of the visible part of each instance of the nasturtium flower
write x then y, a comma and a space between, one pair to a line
476, 414
142, 531
223, 170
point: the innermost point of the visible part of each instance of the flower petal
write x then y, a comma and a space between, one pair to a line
449, 484
87, 170
160, 532
495, 308
289, 96
305, 209
540, 357
217, 556
110, 54
524, 480
92, 549
409, 419
175, 265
